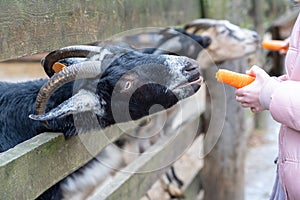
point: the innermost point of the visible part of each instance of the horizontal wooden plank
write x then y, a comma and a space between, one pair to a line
28, 27
137, 178
187, 168
36, 164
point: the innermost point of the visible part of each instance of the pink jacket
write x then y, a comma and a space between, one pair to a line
283, 97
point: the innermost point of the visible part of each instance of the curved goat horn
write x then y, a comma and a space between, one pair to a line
88, 69
201, 24
67, 52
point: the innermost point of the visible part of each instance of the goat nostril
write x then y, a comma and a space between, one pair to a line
190, 67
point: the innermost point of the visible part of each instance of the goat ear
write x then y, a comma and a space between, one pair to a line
83, 101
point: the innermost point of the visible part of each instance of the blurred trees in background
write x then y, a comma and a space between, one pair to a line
244, 12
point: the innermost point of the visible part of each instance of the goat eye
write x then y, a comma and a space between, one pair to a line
224, 31
127, 85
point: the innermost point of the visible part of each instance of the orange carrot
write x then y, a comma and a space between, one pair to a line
274, 45
234, 79
58, 66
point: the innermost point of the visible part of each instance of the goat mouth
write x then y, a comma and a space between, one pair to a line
192, 81
254, 43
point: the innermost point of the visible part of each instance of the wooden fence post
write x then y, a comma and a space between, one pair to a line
223, 172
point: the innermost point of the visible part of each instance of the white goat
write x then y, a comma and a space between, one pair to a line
228, 41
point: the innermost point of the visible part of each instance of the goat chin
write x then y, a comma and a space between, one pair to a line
84, 182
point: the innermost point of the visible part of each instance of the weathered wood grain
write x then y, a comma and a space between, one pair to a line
187, 169
28, 27
134, 181
225, 149
36, 164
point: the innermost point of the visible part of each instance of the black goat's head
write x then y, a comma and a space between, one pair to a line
116, 84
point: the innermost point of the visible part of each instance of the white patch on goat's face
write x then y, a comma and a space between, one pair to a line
179, 83
176, 64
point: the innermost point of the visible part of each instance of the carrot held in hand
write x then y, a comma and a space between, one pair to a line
234, 79
275, 45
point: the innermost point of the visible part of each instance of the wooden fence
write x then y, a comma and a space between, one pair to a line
35, 165
29, 27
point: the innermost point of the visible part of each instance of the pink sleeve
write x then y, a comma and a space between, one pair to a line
285, 104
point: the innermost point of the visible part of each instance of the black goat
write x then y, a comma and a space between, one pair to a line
111, 85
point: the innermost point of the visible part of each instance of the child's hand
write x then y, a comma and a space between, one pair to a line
248, 96
286, 44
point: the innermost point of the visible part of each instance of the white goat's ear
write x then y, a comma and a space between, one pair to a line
83, 101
